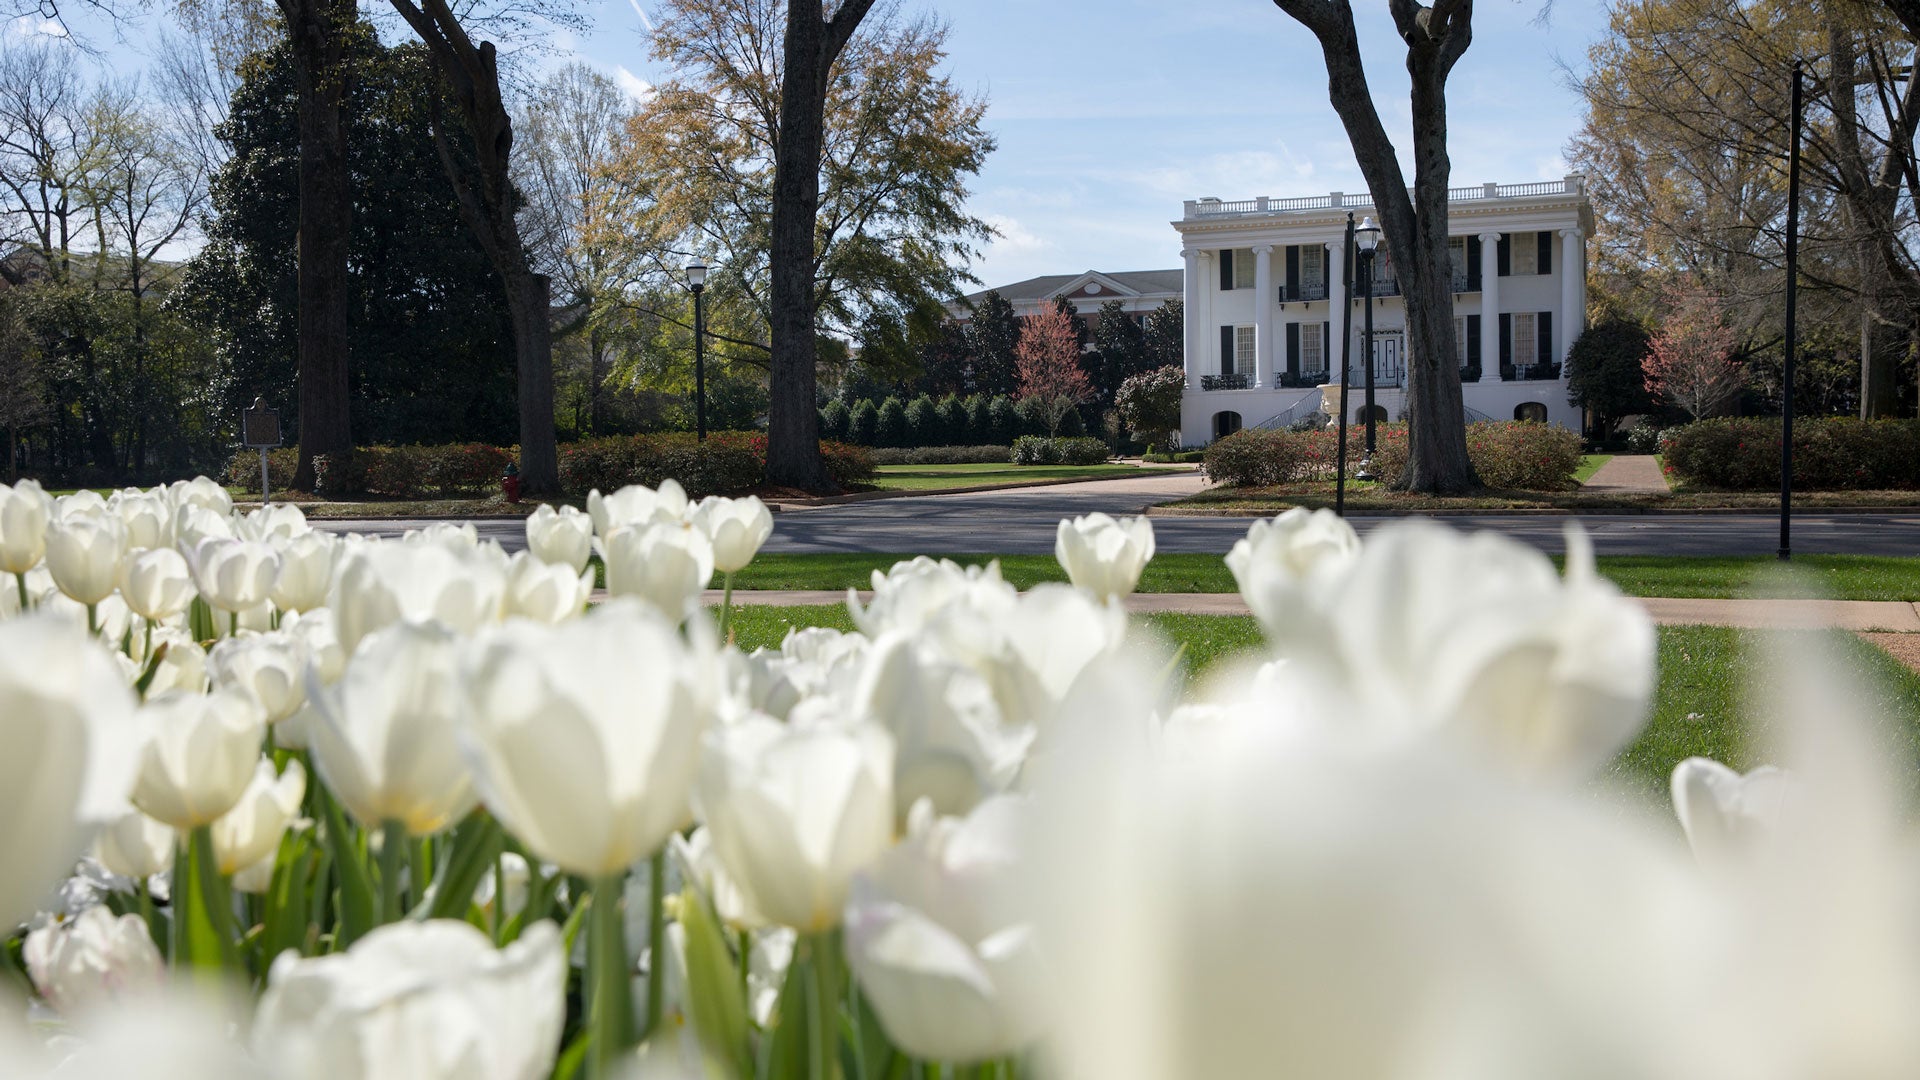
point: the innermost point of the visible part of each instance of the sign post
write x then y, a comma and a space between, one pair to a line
260, 430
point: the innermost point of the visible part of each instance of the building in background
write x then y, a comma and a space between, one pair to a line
1266, 312
1140, 291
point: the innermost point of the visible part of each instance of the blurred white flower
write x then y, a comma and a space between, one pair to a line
1278, 558
1724, 813
936, 939
93, 960
563, 537
85, 503
417, 1001
380, 584
584, 736
695, 851
951, 746
134, 845
1102, 555
199, 756
256, 878
794, 810
273, 524
912, 593
194, 524
545, 592
84, 554
665, 565
202, 493
513, 867
25, 511
384, 735
269, 667
148, 517
306, 571
183, 663
157, 584
234, 575
736, 527
251, 831
326, 662
637, 506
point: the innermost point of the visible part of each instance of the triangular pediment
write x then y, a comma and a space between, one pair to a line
1093, 285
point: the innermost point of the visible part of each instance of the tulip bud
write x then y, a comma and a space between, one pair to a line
274, 524
306, 571
545, 591
84, 553
1104, 556
637, 505
92, 960
665, 565
148, 518
234, 575
157, 584
380, 584
203, 493
737, 529
1278, 558
270, 668
25, 511
251, 831
136, 846
564, 537
201, 756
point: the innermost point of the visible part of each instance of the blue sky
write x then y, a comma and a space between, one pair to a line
1110, 112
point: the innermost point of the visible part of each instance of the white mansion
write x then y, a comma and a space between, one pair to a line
1265, 309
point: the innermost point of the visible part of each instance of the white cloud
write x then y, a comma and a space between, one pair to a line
642, 12
36, 26
1014, 238
636, 87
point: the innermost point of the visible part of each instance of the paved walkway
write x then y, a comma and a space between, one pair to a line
1859, 615
1628, 474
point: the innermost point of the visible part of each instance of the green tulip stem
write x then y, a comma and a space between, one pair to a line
726, 606
20, 582
144, 899
746, 965
500, 897
610, 998
393, 845
233, 624
146, 646
93, 619
202, 903
822, 998
656, 940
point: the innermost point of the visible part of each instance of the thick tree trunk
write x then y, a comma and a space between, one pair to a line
529, 299
317, 31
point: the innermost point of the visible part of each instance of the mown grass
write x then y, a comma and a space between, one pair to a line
943, 477
1365, 498
1590, 464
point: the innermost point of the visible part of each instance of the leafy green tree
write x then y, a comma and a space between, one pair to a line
833, 420
890, 424
992, 337
979, 429
950, 421
1164, 338
1150, 404
1605, 375
946, 360
861, 422
1003, 421
1122, 345
923, 426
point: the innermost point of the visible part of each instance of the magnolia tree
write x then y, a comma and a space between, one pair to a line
1690, 361
1150, 404
1048, 362
424, 813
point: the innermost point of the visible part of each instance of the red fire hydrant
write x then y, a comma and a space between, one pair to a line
510, 483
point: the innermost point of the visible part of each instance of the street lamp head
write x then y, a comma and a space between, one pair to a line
1367, 235
697, 273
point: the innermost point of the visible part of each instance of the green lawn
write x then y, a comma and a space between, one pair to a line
1698, 707
1590, 464
1845, 577
941, 477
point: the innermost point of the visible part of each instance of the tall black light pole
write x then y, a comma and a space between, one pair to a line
697, 281
1346, 345
1367, 236
1792, 342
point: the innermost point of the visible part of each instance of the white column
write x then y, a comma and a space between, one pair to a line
1336, 306
1196, 336
1573, 289
1489, 305
1263, 316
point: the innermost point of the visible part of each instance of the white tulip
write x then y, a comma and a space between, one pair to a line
1102, 555
135, 846
183, 663
157, 584
234, 575
202, 493
92, 960
270, 668
1277, 559
25, 511
696, 855
795, 810
306, 571
84, 553
545, 591
913, 593
1033, 652
418, 1001
194, 524
71, 749
951, 746
273, 524
564, 537
200, 756
326, 662
637, 506
736, 527
85, 503
383, 737
1724, 813
518, 876
148, 517
251, 831
665, 565
380, 584
256, 878
609, 688
934, 940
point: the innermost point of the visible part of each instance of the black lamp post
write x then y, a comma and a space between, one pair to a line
697, 281
1367, 236
1346, 344
1792, 342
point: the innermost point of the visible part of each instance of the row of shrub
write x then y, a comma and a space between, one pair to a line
975, 420
940, 455
1829, 453
1509, 456
727, 463
1040, 450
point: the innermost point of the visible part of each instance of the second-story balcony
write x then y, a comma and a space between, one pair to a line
1230, 381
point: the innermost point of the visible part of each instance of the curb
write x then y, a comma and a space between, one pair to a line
872, 496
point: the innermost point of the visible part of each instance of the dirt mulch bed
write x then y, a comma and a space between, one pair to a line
1903, 647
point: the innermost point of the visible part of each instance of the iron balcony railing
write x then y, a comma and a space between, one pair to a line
1233, 381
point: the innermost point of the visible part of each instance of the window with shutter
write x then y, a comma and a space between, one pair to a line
1473, 264
1293, 348
1313, 272
1291, 287
1544, 333
1460, 341
1525, 348
1525, 255
1506, 344
1473, 340
1226, 269
1243, 349
1543, 257
1226, 350
1503, 255
1243, 268
1312, 349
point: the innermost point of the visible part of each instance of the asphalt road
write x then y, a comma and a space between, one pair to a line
1023, 521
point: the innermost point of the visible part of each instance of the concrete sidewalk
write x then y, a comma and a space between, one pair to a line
1628, 474
1885, 615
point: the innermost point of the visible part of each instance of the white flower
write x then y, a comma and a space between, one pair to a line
201, 493
200, 756
518, 875
381, 584
418, 1001
384, 734
637, 505
183, 663
84, 553
564, 537
665, 565
737, 528
256, 877
273, 524
157, 584
584, 736
193, 524
1724, 813
25, 511
951, 746
1104, 556
545, 592
326, 662
234, 575
306, 571
148, 517
1278, 558
934, 938
134, 845
71, 749
270, 667
911, 594
795, 810
251, 831
92, 960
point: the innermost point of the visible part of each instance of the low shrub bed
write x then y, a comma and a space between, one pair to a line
1178, 457
1510, 456
1829, 453
943, 455
404, 472
1040, 450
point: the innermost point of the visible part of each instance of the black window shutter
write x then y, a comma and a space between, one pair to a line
1293, 272
1326, 347
1543, 334
1545, 263
1226, 350
1506, 341
1503, 255
1293, 347
1226, 269
1473, 264
1473, 340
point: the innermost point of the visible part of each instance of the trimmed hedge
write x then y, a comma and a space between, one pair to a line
1829, 453
1511, 456
404, 472
1040, 450
943, 455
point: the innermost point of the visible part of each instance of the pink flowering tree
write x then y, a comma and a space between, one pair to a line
1690, 361
1048, 362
